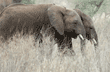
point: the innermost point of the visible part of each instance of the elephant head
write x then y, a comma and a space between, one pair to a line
88, 24
66, 21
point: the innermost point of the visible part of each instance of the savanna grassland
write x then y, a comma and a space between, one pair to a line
22, 54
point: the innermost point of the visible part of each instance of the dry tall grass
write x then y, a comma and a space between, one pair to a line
23, 55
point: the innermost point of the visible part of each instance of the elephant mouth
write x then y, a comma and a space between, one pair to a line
92, 40
72, 34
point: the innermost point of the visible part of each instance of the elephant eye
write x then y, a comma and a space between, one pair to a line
75, 22
90, 27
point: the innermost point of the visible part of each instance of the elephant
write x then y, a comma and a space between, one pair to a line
5, 3
89, 27
64, 24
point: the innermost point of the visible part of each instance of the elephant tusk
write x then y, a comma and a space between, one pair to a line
81, 36
94, 41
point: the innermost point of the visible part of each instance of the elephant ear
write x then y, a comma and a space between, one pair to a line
87, 21
55, 14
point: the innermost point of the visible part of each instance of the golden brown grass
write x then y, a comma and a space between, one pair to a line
23, 55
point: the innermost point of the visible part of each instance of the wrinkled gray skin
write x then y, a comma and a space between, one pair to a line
5, 3
89, 27
64, 24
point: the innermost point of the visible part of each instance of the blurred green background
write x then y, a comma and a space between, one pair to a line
89, 7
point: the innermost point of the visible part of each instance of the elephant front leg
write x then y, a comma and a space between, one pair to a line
64, 42
67, 43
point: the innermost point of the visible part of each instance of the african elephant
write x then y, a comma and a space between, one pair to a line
65, 24
89, 27
5, 3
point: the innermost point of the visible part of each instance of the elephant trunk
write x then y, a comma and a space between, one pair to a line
82, 33
82, 30
95, 41
94, 38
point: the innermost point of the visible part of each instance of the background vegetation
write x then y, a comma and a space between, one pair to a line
89, 7
23, 55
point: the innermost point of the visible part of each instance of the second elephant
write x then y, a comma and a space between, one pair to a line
89, 27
